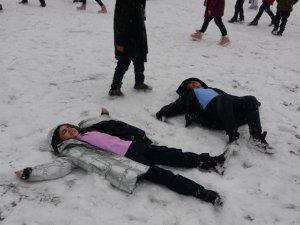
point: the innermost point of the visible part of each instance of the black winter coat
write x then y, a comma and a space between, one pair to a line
119, 129
129, 28
188, 105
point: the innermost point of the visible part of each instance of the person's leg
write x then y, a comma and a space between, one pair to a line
180, 184
205, 24
83, 5
260, 12
270, 13
220, 25
276, 21
43, 3
99, 2
221, 109
122, 66
139, 69
236, 12
248, 106
285, 16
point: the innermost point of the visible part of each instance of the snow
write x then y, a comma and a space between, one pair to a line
57, 66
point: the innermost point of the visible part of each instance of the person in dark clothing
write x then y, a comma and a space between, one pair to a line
130, 41
265, 6
43, 3
238, 12
284, 9
1, 7
216, 109
102, 10
119, 138
214, 11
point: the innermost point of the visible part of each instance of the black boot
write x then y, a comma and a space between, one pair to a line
253, 23
1, 7
23, 2
258, 142
43, 3
210, 197
233, 20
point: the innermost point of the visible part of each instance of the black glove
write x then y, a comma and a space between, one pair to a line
26, 173
160, 116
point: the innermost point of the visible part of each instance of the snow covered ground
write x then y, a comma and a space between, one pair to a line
56, 65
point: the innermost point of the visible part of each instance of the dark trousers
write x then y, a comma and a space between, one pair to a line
153, 154
230, 109
123, 63
218, 22
283, 16
239, 11
264, 7
98, 1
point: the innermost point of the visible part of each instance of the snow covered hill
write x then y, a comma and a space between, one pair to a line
56, 65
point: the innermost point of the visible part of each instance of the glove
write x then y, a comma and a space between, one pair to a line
26, 173
160, 117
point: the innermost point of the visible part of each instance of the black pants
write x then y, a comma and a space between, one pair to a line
230, 109
153, 154
239, 11
124, 61
264, 7
218, 22
98, 1
283, 16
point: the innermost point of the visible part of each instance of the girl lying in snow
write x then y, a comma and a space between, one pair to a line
124, 155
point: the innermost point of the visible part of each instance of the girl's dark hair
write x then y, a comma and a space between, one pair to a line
56, 140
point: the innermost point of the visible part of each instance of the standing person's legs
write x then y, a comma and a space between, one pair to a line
270, 13
99, 2
205, 24
219, 23
199, 33
43, 3
139, 69
123, 63
181, 185
260, 12
276, 20
284, 19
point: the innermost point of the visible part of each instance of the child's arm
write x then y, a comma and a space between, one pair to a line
49, 171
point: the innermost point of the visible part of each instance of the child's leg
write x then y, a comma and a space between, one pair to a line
180, 184
99, 2
270, 13
205, 24
219, 23
285, 15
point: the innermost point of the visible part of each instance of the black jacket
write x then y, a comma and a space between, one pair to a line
121, 130
188, 105
129, 28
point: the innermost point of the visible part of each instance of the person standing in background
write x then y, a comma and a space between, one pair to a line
130, 41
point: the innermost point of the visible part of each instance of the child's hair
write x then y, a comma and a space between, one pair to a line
56, 140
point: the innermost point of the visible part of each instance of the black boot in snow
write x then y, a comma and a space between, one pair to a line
23, 2
221, 161
210, 197
1, 7
43, 3
258, 142
253, 23
232, 20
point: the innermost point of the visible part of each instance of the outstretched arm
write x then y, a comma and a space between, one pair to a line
173, 109
49, 171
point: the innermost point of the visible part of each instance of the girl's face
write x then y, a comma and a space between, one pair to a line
66, 132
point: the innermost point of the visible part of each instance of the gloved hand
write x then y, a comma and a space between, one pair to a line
160, 117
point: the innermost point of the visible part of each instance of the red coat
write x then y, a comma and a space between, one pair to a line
269, 1
216, 7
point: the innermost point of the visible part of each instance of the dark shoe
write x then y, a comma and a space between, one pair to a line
232, 20
43, 4
277, 33
253, 23
210, 196
143, 87
115, 92
23, 2
241, 20
258, 142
